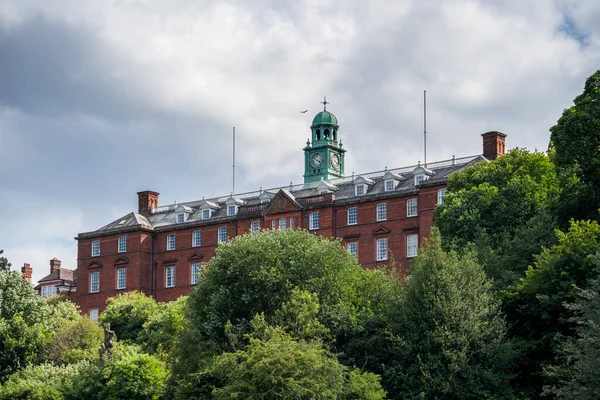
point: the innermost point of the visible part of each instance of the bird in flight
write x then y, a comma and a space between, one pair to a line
304, 112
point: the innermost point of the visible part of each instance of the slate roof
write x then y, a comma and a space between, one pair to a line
165, 216
67, 277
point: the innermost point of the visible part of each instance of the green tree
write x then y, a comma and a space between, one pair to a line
578, 374
282, 362
74, 341
162, 328
126, 313
4, 264
536, 306
256, 274
497, 205
128, 374
40, 382
22, 329
452, 336
575, 145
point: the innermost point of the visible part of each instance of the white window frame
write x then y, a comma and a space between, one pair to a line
382, 212
196, 238
180, 218
282, 223
381, 249
273, 224
171, 241
94, 282
48, 291
324, 192
94, 313
121, 278
292, 223
412, 245
441, 193
170, 276
412, 207
419, 179
195, 273
206, 213
389, 185
360, 190
352, 248
96, 248
122, 244
255, 226
352, 215
222, 234
231, 210
313, 219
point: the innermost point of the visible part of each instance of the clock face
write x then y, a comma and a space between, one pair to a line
335, 161
316, 160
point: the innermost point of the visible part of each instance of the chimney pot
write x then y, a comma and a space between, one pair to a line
147, 201
493, 144
54, 264
27, 272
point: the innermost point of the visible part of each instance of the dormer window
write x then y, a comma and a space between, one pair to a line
390, 185
360, 189
180, 218
323, 192
419, 179
264, 200
231, 210
206, 213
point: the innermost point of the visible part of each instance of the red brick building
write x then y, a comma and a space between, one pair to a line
159, 249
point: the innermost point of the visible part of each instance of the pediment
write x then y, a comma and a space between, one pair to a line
381, 230
95, 264
283, 202
195, 256
121, 261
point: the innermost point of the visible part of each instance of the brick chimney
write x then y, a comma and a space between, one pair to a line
27, 272
493, 144
147, 200
54, 265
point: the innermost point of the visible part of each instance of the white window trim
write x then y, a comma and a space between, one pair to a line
353, 245
273, 224
97, 289
208, 211
412, 249
282, 223
255, 226
355, 214
180, 218
171, 245
386, 187
167, 275
96, 248
358, 188
410, 212
292, 223
119, 286
314, 220
381, 254
48, 291
122, 244
195, 277
196, 238
231, 210
381, 212
219, 234
94, 313
441, 193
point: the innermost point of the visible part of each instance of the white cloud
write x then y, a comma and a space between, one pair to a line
131, 95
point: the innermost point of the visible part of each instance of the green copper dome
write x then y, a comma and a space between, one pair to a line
325, 118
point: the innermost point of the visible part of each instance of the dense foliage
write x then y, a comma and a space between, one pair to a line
506, 306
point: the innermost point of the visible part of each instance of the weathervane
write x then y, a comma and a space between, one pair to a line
324, 102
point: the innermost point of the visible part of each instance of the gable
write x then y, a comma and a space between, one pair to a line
282, 203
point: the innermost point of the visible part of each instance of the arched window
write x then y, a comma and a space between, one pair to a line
326, 133
318, 134
335, 135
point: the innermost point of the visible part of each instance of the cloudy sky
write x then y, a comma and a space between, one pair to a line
100, 99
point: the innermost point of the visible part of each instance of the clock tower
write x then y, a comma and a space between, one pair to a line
324, 155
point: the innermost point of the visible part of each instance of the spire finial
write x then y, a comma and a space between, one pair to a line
324, 102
